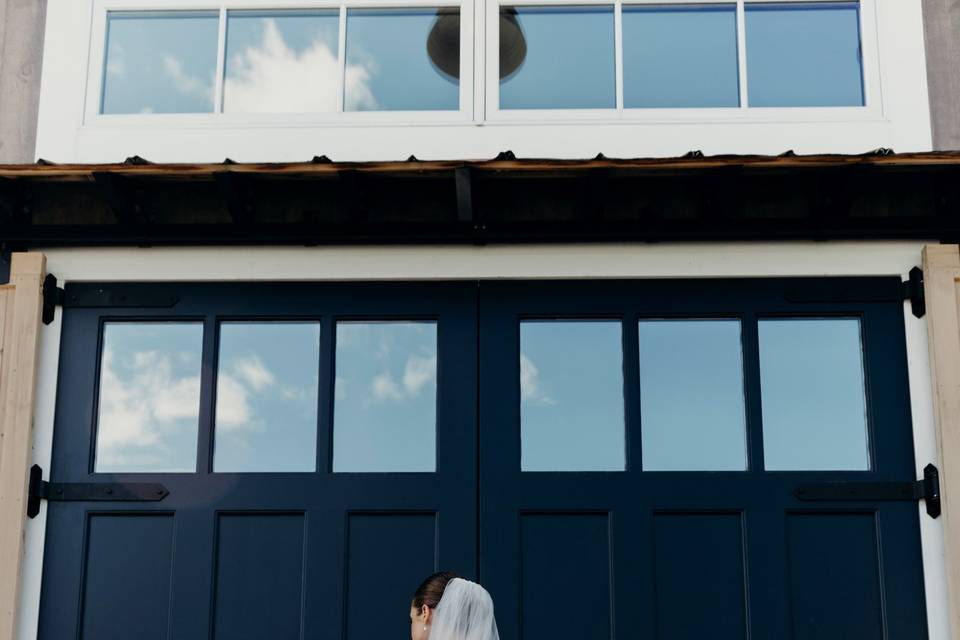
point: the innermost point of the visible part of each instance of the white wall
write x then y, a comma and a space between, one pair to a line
898, 116
430, 263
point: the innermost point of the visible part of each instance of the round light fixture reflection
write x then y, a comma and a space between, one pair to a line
443, 43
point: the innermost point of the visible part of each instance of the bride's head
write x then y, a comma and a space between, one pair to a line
447, 607
425, 600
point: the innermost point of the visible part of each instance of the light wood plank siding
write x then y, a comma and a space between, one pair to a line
941, 274
20, 310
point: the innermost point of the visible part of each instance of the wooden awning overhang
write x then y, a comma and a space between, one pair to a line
880, 195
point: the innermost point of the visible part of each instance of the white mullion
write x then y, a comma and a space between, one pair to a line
221, 61
742, 53
479, 60
618, 52
491, 76
342, 59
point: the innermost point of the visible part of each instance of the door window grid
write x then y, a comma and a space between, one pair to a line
479, 82
174, 406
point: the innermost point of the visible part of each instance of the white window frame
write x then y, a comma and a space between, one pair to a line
96, 63
870, 62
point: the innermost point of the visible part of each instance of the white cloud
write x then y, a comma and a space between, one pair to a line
233, 406
274, 78
117, 61
252, 371
142, 411
384, 387
184, 82
294, 393
417, 373
530, 390
340, 388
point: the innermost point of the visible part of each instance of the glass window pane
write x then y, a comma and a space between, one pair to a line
160, 62
284, 62
149, 407
388, 65
804, 54
385, 400
680, 56
267, 382
692, 413
813, 395
558, 58
571, 396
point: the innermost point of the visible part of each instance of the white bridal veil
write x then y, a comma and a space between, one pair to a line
465, 612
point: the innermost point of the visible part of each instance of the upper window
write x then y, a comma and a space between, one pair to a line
316, 60
585, 58
632, 56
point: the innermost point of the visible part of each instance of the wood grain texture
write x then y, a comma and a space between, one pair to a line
20, 306
941, 273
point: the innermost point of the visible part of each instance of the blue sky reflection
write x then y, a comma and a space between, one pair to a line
385, 399
390, 47
570, 62
283, 62
813, 395
692, 412
571, 396
267, 385
149, 400
160, 62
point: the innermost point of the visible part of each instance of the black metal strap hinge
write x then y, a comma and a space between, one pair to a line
927, 489
40, 489
52, 296
856, 290
914, 292
114, 295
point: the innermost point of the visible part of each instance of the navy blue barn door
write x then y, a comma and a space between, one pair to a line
611, 459
641, 443
318, 443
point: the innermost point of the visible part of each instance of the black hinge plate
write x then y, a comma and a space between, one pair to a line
117, 296
927, 489
846, 290
40, 489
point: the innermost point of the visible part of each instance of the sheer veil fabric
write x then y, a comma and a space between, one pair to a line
465, 612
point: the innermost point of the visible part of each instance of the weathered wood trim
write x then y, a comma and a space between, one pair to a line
20, 309
941, 273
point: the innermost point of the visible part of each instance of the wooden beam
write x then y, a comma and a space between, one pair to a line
941, 275
20, 305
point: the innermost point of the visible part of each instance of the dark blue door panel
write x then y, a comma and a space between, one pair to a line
263, 555
627, 553
693, 554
